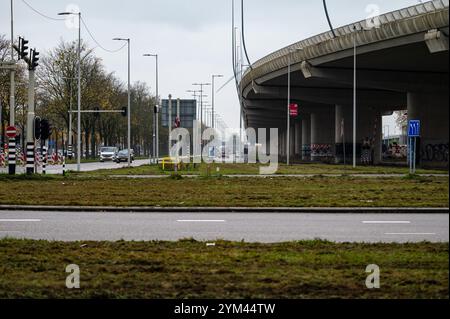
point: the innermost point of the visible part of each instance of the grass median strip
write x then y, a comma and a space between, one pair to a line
253, 169
190, 269
226, 192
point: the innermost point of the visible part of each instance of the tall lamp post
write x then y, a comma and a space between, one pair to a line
156, 113
194, 94
288, 149
214, 76
79, 88
201, 85
70, 138
127, 40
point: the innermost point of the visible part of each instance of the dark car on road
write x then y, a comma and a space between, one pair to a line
122, 156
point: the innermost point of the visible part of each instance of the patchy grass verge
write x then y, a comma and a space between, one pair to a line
190, 269
226, 192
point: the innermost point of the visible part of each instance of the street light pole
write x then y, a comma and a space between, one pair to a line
214, 76
201, 101
156, 113
288, 148
70, 135
354, 98
79, 88
194, 94
129, 98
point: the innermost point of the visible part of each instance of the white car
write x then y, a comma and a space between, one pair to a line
108, 154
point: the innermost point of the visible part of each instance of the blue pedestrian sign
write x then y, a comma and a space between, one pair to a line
414, 128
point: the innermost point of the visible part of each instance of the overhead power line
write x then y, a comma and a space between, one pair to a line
84, 23
41, 14
95, 40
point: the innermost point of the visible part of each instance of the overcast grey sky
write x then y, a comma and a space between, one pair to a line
192, 37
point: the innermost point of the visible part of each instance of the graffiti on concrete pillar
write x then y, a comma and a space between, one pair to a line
306, 150
321, 150
435, 153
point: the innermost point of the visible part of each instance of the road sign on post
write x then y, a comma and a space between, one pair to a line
414, 128
11, 131
293, 110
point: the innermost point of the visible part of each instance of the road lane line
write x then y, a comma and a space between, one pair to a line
386, 222
201, 221
20, 220
411, 234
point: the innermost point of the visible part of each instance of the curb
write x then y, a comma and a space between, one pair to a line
304, 210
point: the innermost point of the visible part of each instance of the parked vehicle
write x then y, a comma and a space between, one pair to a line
108, 154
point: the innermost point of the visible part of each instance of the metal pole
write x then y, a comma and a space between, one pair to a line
288, 149
354, 100
69, 146
415, 155
201, 109
1, 125
79, 97
129, 106
212, 103
30, 120
157, 110
169, 125
12, 103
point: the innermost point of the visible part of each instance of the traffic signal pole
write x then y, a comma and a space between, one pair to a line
30, 124
12, 103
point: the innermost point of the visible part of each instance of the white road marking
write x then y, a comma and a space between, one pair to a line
411, 234
20, 220
201, 221
387, 222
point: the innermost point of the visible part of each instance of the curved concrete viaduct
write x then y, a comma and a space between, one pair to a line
401, 64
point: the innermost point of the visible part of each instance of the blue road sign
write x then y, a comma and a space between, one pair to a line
414, 128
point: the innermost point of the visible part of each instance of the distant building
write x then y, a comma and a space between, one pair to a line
188, 113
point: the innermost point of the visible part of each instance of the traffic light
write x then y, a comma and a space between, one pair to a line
23, 48
125, 111
46, 130
37, 128
34, 58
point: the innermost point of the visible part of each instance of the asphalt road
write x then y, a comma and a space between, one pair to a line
266, 228
85, 167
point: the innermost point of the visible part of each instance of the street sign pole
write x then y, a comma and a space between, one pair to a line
414, 128
30, 121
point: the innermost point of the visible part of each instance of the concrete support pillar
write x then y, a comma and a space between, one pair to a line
369, 126
344, 133
292, 142
306, 138
433, 111
298, 140
378, 138
322, 136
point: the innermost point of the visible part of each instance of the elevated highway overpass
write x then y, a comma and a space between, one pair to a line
401, 64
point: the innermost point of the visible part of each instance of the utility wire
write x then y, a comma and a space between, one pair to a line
40, 13
243, 35
328, 18
84, 23
95, 40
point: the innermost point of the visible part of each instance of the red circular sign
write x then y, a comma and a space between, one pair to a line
11, 131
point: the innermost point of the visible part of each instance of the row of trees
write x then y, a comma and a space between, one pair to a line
57, 90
